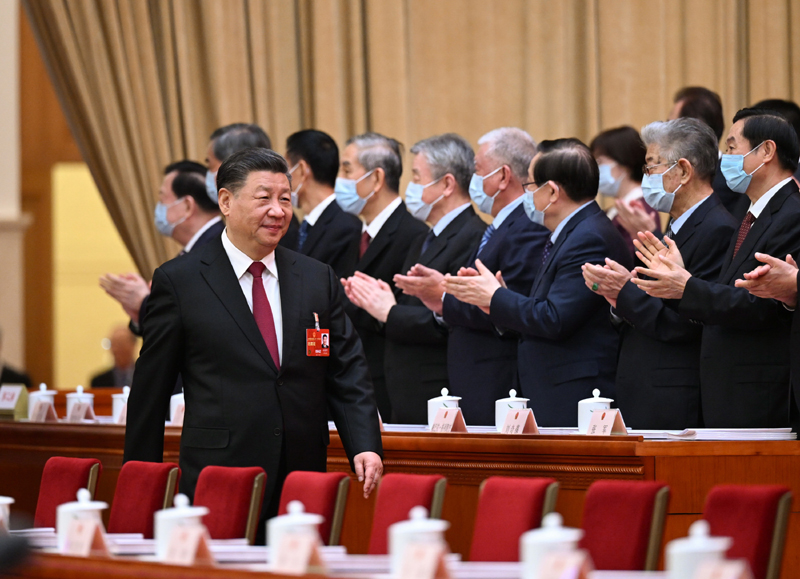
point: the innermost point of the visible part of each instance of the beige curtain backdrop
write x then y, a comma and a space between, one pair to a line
144, 82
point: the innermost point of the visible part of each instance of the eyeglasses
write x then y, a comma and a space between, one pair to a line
527, 186
648, 169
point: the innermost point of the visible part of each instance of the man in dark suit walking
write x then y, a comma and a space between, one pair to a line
568, 346
232, 318
368, 183
416, 344
658, 373
744, 368
327, 233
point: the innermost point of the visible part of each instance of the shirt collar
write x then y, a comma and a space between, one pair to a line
374, 228
241, 262
676, 225
315, 213
448, 218
757, 207
566, 219
506, 211
188, 247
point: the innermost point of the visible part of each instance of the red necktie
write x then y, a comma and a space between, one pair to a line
365, 239
263, 312
744, 229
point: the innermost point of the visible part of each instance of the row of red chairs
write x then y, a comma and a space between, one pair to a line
623, 521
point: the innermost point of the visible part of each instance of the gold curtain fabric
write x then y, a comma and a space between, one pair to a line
144, 82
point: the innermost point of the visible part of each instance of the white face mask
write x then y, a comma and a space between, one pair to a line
416, 206
211, 186
482, 200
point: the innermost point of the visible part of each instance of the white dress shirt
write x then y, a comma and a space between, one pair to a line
188, 247
448, 218
315, 213
375, 226
566, 220
676, 225
240, 263
757, 207
506, 211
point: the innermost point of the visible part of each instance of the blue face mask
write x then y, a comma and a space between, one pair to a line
654, 193
530, 208
347, 196
608, 185
295, 198
416, 206
478, 195
163, 225
211, 186
732, 167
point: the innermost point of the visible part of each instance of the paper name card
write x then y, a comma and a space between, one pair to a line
606, 423
84, 538
123, 415
81, 411
738, 569
43, 411
297, 554
424, 561
520, 421
177, 418
449, 420
14, 401
188, 545
566, 565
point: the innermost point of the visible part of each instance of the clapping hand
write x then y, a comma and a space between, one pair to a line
776, 279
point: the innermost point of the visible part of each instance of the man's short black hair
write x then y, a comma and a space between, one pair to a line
624, 146
788, 109
765, 125
232, 138
233, 173
570, 163
317, 149
702, 104
191, 180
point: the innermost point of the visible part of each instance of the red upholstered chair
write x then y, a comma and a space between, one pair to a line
755, 516
623, 522
322, 493
62, 478
507, 507
233, 496
397, 495
142, 489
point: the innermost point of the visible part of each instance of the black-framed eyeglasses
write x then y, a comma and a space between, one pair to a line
527, 186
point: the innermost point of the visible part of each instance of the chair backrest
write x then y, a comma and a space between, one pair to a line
322, 493
507, 507
623, 522
142, 489
397, 495
62, 478
755, 517
233, 496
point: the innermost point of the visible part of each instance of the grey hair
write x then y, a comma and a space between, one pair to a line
685, 138
511, 146
448, 153
233, 138
376, 150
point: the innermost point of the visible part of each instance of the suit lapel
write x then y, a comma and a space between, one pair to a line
218, 273
758, 229
384, 238
695, 220
441, 241
315, 233
290, 280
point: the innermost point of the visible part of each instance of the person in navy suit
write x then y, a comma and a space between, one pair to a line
568, 346
481, 362
658, 374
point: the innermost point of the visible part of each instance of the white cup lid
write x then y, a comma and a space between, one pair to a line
84, 503
182, 509
79, 393
418, 522
446, 396
597, 397
700, 540
553, 531
296, 515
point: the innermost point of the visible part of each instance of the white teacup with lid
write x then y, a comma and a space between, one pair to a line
684, 556
551, 537
42, 394
175, 401
589, 405
118, 401
167, 519
443, 401
503, 405
79, 396
5, 513
417, 529
295, 521
83, 509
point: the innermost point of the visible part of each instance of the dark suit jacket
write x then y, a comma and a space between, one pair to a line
481, 364
240, 411
9, 375
744, 367
658, 374
568, 344
104, 379
289, 241
795, 361
334, 239
384, 257
737, 204
416, 344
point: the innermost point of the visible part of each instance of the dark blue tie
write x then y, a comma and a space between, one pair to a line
547, 247
302, 234
486, 236
428, 240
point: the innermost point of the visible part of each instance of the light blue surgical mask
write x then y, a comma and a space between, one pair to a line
478, 195
295, 198
163, 225
654, 193
608, 185
530, 208
211, 186
732, 167
416, 206
347, 196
